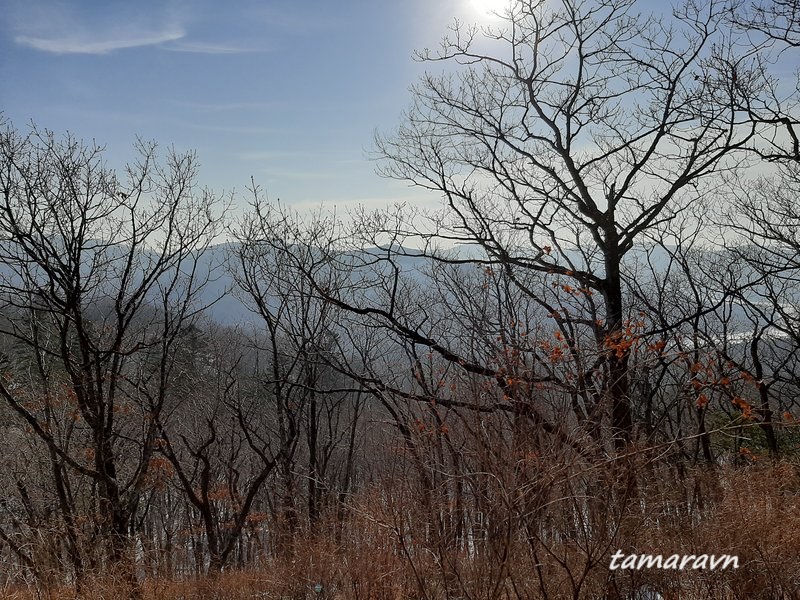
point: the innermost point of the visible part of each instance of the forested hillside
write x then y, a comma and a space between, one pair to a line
588, 343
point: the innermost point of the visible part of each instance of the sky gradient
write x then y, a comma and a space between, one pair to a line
287, 92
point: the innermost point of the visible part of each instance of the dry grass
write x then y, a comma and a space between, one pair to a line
752, 512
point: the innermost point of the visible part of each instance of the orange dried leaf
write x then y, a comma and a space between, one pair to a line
744, 406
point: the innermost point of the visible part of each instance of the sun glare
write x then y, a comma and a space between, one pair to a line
488, 8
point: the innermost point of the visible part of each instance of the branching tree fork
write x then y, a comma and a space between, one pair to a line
563, 135
99, 279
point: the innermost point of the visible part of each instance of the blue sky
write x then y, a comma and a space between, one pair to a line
289, 92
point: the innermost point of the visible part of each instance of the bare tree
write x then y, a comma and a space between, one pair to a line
100, 277
763, 222
301, 347
777, 19
222, 446
562, 136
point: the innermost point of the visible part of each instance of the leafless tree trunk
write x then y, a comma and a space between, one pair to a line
561, 137
100, 277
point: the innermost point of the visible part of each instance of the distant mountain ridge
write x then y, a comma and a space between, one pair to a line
226, 307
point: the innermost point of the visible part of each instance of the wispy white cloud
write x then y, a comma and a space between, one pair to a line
228, 129
102, 44
278, 155
60, 27
206, 48
223, 107
75, 28
294, 18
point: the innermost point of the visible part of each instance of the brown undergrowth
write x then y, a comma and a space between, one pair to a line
390, 548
